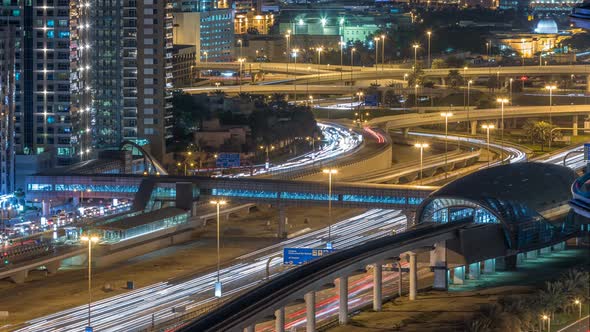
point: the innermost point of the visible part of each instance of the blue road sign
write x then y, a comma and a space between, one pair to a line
371, 100
88, 329
586, 151
225, 160
298, 256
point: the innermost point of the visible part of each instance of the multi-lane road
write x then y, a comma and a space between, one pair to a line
136, 309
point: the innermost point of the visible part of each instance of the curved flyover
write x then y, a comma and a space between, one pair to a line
581, 195
417, 119
151, 164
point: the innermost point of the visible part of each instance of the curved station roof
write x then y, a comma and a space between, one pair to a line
529, 199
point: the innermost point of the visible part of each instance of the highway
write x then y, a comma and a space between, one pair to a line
134, 309
338, 141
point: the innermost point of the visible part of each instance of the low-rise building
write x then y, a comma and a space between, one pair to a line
183, 62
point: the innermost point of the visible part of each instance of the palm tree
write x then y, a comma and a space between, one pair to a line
553, 297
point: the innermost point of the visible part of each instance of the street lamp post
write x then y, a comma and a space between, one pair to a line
421, 146
319, 50
382, 51
548, 319
468, 103
241, 43
287, 36
218, 203
429, 34
330, 172
510, 95
267, 148
352, 50
295, 51
487, 127
415, 46
446, 115
579, 304
241, 61
416, 96
90, 239
550, 88
206, 57
341, 43
502, 101
376, 39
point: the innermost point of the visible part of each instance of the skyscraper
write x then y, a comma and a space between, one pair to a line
124, 77
7, 58
42, 78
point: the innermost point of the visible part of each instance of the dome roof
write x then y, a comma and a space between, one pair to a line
546, 26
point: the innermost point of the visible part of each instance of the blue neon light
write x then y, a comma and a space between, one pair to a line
244, 193
307, 196
374, 199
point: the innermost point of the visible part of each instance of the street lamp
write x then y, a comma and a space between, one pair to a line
267, 148
548, 319
206, 57
218, 203
421, 146
502, 101
241, 44
510, 95
319, 50
416, 96
330, 172
429, 34
550, 88
487, 127
341, 44
579, 304
469, 83
446, 115
376, 39
415, 46
311, 101
90, 239
287, 36
522, 50
295, 51
383, 51
241, 61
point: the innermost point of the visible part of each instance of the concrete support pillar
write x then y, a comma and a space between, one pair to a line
474, 271
545, 251
282, 228
377, 286
575, 125
520, 258
413, 276
405, 132
53, 267
19, 277
459, 275
280, 320
507, 263
533, 254
438, 265
400, 278
310, 311
474, 127
587, 83
489, 266
560, 246
343, 300
250, 328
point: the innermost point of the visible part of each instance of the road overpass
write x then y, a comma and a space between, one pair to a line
423, 119
329, 73
473, 228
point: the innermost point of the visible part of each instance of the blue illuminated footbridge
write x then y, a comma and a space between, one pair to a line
145, 188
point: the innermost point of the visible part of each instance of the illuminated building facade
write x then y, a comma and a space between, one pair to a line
211, 32
122, 91
7, 65
42, 77
252, 22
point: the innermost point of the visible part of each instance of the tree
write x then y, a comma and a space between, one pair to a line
552, 297
188, 114
390, 99
454, 78
540, 131
454, 62
438, 64
416, 77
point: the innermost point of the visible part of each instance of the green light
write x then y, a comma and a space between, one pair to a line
324, 21
342, 21
301, 21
